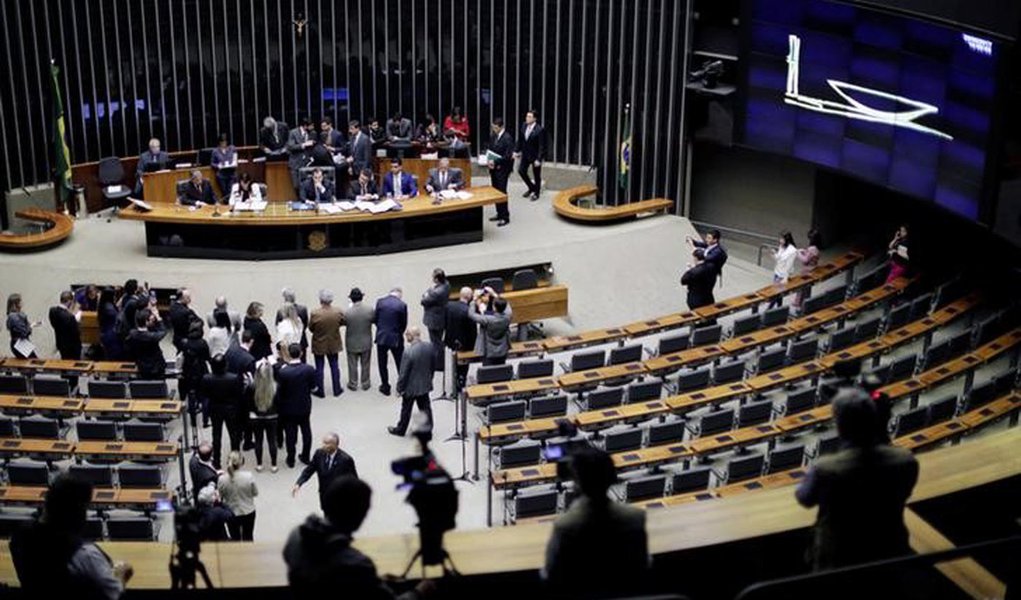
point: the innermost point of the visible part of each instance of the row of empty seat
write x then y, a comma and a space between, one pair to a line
51, 385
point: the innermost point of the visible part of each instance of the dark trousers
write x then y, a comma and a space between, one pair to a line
493, 360
334, 373
269, 429
381, 352
533, 186
72, 380
241, 528
230, 419
499, 179
225, 180
436, 338
291, 424
423, 405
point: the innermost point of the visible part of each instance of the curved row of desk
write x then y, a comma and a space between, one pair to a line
55, 228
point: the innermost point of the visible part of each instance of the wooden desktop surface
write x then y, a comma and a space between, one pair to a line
521, 548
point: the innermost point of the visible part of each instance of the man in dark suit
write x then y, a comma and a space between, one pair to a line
376, 133
443, 177
332, 139
397, 183
241, 363
699, 278
493, 342
461, 331
860, 490
360, 155
180, 314
715, 254
328, 463
295, 382
414, 381
531, 149
391, 319
143, 344
197, 192
502, 145
225, 394
398, 128
152, 159
434, 303
201, 469
317, 189
364, 187
64, 320
273, 136
299, 144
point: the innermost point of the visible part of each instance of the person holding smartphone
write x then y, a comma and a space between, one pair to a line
20, 328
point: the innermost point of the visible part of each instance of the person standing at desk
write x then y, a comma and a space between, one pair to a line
699, 279
299, 143
143, 344
64, 320
364, 187
397, 183
225, 164
272, 137
151, 160
197, 192
332, 139
500, 168
360, 154
434, 303
531, 149
398, 128
317, 189
443, 177
19, 327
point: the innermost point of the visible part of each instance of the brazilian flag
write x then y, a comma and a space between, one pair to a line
61, 153
625, 149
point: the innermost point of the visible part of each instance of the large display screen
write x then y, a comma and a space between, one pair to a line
897, 101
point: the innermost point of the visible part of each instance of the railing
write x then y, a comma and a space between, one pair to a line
742, 233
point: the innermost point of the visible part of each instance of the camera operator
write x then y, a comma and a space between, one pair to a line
319, 554
213, 515
494, 342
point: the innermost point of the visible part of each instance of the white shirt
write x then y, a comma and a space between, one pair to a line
218, 340
784, 261
235, 193
288, 333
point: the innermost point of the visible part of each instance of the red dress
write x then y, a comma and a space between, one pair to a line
461, 129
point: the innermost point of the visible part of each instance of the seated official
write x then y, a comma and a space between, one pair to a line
245, 190
272, 136
397, 183
398, 128
151, 160
444, 177
317, 189
364, 188
429, 132
225, 163
197, 192
376, 132
455, 126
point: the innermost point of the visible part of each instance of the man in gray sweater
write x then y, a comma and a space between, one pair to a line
415, 380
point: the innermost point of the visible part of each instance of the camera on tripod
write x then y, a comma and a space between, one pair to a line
184, 562
562, 451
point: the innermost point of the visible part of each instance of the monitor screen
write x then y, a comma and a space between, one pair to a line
897, 101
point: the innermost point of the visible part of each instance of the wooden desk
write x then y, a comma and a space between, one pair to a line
522, 476
804, 419
503, 432
728, 306
538, 304
565, 204
593, 377
605, 417
930, 436
712, 395
998, 346
517, 350
771, 481
784, 376
99, 407
583, 339
652, 456
57, 227
518, 387
114, 368
49, 405
675, 500
102, 498
137, 451
995, 410
761, 337
730, 439
278, 232
44, 449
650, 326
668, 363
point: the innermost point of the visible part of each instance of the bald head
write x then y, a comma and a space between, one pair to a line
331, 441
413, 333
466, 294
221, 302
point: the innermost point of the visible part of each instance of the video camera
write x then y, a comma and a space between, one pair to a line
185, 563
562, 451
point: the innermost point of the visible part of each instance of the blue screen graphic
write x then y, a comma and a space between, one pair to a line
896, 101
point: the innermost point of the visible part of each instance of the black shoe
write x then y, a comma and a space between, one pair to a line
534, 197
494, 218
526, 194
290, 463
385, 390
318, 394
503, 222
393, 431
304, 460
249, 446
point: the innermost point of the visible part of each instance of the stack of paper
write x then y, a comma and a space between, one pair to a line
329, 208
385, 205
253, 205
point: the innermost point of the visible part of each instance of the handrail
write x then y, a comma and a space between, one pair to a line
751, 234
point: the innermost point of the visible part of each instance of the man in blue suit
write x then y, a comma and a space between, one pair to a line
397, 183
295, 382
391, 320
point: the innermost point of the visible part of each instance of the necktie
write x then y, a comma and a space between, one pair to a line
528, 132
329, 462
443, 180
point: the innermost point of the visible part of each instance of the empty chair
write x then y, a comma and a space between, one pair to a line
535, 503
690, 480
97, 475
547, 406
1004, 382
842, 338
96, 430
829, 443
626, 439
746, 325
525, 279
130, 528
644, 390
501, 412
902, 368
674, 343
898, 317
936, 355
803, 350
139, 476
770, 359
11, 523
781, 459
50, 385
107, 389
710, 334
592, 359
776, 316
910, 420
605, 398
529, 369
493, 282
625, 354
754, 413
693, 379
525, 452
871, 279
494, 373
880, 373
836, 295
666, 432
110, 173
93, 529
13, 384
6, 427
920, 306
643, 488
727, 372
813, 304
987, 329
981, 394
742, 468
866, 330
28, 473
713, 422
942, 409
39, 427
800, 400
149, 389
960, 343
143, 432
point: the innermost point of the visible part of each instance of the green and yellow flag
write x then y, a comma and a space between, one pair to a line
61, 153
625, 149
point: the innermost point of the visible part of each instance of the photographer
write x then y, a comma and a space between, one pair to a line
898, 252
143, 343
494, 342
319, 554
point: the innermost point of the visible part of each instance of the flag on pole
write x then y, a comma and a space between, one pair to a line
62, 154
625, 149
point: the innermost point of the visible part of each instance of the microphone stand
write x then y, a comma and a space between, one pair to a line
460, 418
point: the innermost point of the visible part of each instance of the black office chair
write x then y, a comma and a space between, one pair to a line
547, 406
693, 379
525, 279
139, 476
13, 384
143, 432
39, 428
50, 385
776, 316
800, 400
741, 468
93, 530
782, 459
866, 330
943, 409
745, 325
496, 283
494, 373
7, 428
622, 440
666, 432
911, 420
501, 412
770, 359
110, 174
840, 339
11, 523
754, 413
643, 488
528, 369
712, 423
130, 529
710, 334
153, 390
644, 390
803, 350
99, 388
674, 343
728, 372
519, 454
204, 157
605, 398
535, 503
100, 476
690, 480
625, 354
96, 430
28, 473
898, 317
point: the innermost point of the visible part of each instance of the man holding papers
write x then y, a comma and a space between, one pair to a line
444, 178
500, 161
317, 190
364, 188
397, 183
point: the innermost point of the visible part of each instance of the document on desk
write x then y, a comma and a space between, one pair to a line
330, 208
252, 206
454, 195
346, 205
384, 206
363, 205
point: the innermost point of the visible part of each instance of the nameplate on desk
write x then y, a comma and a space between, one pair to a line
104, 495
747, 339
654, 405
12, 443
613, 331
736, 387
796, 474
574, 338
651, 323
610, 413
723, 438
114, 447
61, 445
25, 401
806, 418
515, 427
703, 496
677, 449
590, 374
953, 426
697, 396
775, 376
70, 403
630, 457
919, 438
123, 404
530, 472
168, 406
546, 382
501, 388
673, 358
765, 428
633, 367
752, 485
81, 365
165, 448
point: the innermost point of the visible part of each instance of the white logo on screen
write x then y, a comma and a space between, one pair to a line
855, 108
978, 44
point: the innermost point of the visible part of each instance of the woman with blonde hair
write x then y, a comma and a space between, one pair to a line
237, 492
290, 329
263, 417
